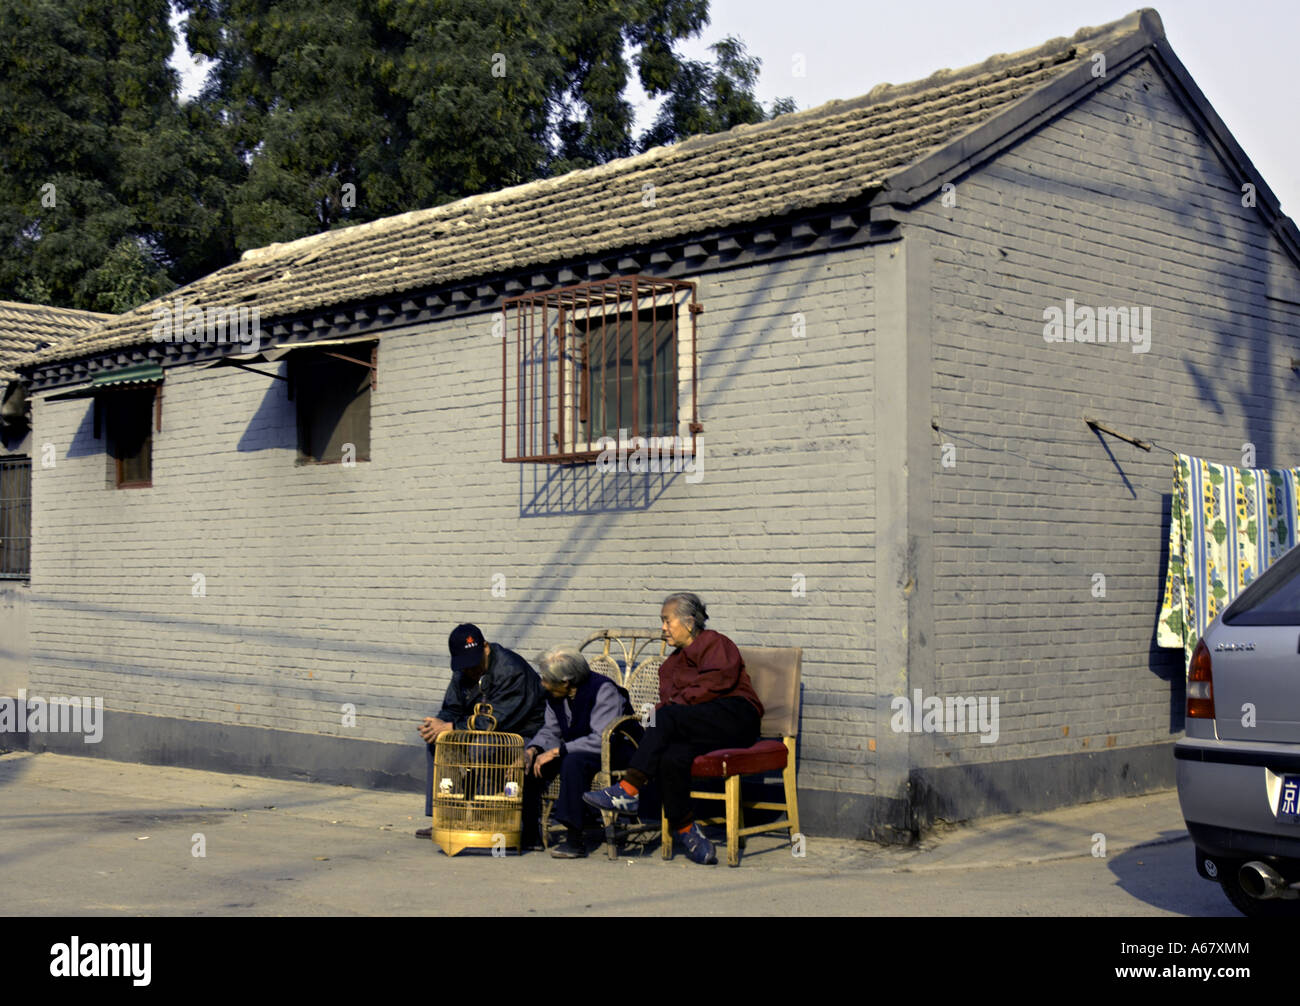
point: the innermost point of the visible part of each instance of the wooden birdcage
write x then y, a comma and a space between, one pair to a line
478, 787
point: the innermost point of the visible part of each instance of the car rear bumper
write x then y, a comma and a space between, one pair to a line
1224, 793
1233, 843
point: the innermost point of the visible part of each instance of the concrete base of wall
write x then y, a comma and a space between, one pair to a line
950, 793
851, 815
965, 792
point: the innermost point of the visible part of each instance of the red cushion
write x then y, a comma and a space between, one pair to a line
765, 756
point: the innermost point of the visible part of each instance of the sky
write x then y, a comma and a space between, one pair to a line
1242, 55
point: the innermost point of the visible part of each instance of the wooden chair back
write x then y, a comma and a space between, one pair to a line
775, 671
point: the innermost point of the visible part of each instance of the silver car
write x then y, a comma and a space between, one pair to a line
1239, 764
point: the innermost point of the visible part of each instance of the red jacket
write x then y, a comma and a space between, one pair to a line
709, 668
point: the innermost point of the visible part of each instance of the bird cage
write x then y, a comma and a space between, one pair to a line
478, 787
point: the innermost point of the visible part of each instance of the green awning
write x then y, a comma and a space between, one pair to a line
133, 376
140, 373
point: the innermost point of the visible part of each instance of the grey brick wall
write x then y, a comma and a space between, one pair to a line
1118, 202
328, 585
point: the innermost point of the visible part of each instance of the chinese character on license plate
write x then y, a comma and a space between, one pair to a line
1288, 806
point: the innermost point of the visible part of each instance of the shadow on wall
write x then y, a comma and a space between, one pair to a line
84, 443
274, 426
582, 489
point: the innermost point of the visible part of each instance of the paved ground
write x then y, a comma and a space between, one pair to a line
85, 836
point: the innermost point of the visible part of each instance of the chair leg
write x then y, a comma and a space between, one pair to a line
667, 843
791, 791
611, 833
733, 820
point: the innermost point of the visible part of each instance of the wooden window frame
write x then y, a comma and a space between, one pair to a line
109, 400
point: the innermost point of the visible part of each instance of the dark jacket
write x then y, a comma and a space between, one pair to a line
509, 684
709, 668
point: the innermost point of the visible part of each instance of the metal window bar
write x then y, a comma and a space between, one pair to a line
596, 325
15, 518
654, 358
636, 358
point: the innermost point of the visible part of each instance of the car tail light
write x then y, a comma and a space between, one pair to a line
1200, 684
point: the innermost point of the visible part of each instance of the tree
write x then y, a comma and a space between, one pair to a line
98, 164
315, 114
414, 103
705, 99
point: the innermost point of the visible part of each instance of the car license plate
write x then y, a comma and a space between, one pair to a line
1288, 803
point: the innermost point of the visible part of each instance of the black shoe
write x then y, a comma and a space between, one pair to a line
569, 850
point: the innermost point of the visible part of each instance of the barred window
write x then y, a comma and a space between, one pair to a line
15, 518
611, 359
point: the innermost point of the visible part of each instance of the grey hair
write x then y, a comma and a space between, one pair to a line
562, 665
690, 606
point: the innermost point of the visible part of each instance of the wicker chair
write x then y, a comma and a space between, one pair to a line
606, 664
618, 662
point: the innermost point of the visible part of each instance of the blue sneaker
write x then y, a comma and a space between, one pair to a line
614, 798
698, 848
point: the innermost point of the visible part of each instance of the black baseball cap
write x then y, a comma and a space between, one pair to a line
466, 645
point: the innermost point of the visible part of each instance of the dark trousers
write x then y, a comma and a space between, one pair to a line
468, 779
679, 735
576, 772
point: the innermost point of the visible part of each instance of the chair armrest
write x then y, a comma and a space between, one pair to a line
619, 725
608, 732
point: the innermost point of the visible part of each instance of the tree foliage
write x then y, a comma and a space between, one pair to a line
711, 99
315, 114
98, 163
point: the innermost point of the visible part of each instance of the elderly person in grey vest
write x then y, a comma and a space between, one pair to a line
580, 704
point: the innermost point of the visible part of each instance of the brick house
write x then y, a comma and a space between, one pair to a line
24, 329
869, 327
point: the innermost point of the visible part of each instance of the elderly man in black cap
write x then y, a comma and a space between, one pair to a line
484, 672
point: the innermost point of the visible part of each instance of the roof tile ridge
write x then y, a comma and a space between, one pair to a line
450, 211
1087, 39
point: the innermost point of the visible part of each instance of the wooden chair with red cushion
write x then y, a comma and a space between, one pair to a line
774, 672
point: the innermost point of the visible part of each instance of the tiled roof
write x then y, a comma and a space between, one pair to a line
25, 328
837, 152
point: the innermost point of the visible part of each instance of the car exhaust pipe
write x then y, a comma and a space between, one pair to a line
1261, 881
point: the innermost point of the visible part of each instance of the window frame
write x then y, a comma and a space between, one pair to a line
542, 333
109, 403
301, 393
20, 514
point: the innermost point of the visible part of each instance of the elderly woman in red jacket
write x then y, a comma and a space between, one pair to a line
706, 702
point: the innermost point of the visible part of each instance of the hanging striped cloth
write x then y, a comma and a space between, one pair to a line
1218, 543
